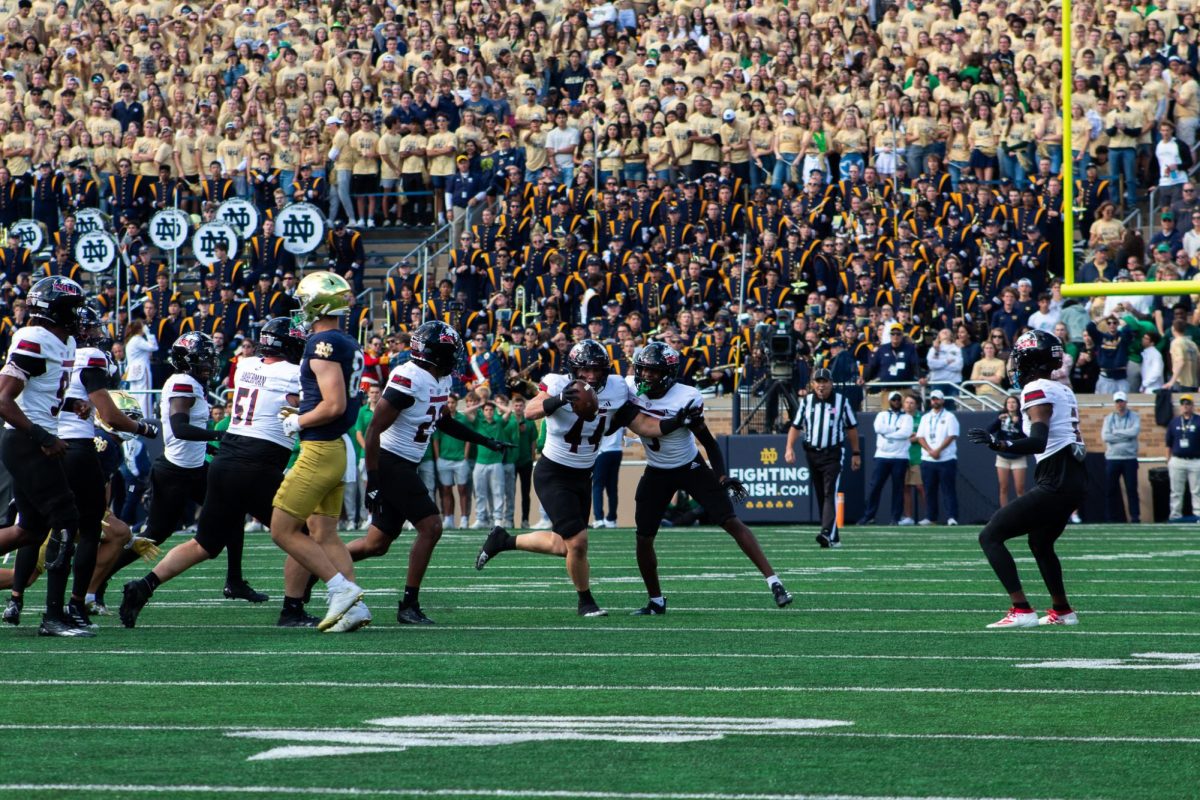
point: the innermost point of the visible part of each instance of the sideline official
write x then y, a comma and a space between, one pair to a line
823, 423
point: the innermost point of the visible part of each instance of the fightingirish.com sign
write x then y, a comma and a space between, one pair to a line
777, 492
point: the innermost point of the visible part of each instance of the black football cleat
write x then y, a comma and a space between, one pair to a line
590, 609
243, 591
411, 615
12, 611
492, 545
78, 614
296, 618
823, 540
63, 627
137, 594
651, 609
782, 596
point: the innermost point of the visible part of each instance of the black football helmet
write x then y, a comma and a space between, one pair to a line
589, 353
92, 331
1035, 354
282, 338
56, 300
195, 354
436, 345
656, 369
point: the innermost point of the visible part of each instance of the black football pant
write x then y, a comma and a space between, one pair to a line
1043, 514
825, 470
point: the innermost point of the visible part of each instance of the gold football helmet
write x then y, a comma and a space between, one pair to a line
323, 294
128, 405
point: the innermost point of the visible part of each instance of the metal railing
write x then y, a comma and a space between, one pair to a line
417, 253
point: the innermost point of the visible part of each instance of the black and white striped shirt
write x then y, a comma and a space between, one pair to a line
823, 423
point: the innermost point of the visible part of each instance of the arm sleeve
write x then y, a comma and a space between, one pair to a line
1032, 444
624, 415
29, 365
182, 429
398, 399
93, 379
716, 460
453, 427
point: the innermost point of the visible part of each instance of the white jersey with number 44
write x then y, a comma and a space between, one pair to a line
678, 447
260, 392
1064, 417
572, 440
408, 436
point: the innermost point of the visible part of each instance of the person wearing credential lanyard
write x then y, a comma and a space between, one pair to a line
893, 429
938, 435
1183, 467
825, 421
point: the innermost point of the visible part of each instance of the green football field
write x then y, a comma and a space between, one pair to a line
878, 682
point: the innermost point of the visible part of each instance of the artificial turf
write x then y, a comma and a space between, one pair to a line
512, 695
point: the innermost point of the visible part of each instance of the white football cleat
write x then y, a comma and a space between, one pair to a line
904, 521
340, 601
359, 616
952, 522
464, 523
925, 522
1017, 618
1055, 618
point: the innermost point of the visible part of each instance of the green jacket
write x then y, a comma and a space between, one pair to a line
498, 428
360, 426
526, 440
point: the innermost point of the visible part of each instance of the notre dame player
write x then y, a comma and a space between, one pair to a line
563, 475
247, 470
412, 407
33, 388
1051, 428
674, 464
330, 371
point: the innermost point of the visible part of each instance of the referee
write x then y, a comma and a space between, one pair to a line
825, 420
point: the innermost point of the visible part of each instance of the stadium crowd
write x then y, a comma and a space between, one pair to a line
880, 182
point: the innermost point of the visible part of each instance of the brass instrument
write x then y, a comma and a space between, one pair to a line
960, 306
518, 381
653, 297
520, 302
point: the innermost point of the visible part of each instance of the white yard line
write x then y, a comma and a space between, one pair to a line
343, 791
515, 687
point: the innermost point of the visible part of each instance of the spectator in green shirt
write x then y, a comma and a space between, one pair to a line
490, 500
453, 471
354, 501
518, 462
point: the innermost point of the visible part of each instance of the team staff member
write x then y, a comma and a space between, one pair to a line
1183, 466
824, 422
893, 429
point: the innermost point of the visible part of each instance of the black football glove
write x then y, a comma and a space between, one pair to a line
980, 436
147, 430
737, 489
497, 445
569, 394
372, 493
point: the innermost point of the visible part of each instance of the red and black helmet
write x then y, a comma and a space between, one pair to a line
656, 369
57, 300
589, 354
436, 345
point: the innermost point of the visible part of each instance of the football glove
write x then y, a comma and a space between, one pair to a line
372, 491
980, 436
146, 549
737, 489
147, 430
569, 394
497, 445
291, 421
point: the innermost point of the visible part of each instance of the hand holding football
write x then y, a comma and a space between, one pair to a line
585, 403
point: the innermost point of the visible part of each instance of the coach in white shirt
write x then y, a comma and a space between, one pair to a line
938, 434
893, 429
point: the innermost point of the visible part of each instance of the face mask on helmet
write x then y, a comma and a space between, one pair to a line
128, 405
650, 380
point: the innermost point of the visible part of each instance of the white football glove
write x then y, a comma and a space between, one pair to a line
291, 421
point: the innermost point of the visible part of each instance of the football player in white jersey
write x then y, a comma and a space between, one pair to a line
33, 388
248, 467
674, 465
563, 475
179, 475
411, 409
1051, 435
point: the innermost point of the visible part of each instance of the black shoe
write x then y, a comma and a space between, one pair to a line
782, 596
308, 587
590, 609
296, 618
243, 591
652, 609
493, 544
866, 521
823, 540
12, 611
78, 614
137, 594
411, 615
61, 626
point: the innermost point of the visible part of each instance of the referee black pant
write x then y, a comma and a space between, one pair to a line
825, 470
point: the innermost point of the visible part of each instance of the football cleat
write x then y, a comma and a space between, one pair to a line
651, 609
491, 546
12, 611
1017, 618
243, 591
825, 540
590, 609
296, 618
782, 596
411, 614
77, 612
137, 594
96, 608
339, 602
61, 626
359, 616
1059, 618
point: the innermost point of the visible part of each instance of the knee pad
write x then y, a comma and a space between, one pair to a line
60, 549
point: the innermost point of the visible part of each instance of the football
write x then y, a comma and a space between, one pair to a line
586, 405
